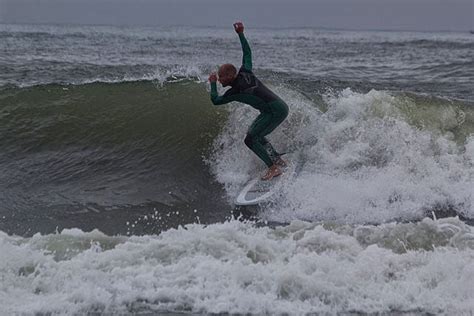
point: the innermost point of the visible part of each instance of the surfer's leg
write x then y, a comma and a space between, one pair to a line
265, 123
271, 151
254, 141
279, 114
274, 155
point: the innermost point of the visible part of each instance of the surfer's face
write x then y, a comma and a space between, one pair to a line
226, 74
226, 80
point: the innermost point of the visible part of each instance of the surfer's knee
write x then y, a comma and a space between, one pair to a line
283, 113
280, 110
249, 140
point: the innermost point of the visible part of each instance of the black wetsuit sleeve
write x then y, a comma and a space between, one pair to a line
247, 57
223, 99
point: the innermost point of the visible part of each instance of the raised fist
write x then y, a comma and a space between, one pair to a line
239, 27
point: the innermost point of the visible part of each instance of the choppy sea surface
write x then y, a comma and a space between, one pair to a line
118, 175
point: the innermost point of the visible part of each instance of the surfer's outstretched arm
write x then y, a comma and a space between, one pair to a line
247, 57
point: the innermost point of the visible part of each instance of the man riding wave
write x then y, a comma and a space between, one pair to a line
246, 88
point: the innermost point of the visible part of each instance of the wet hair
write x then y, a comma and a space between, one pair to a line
227, 70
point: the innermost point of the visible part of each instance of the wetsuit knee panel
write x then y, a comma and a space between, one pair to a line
280, 109
248, 140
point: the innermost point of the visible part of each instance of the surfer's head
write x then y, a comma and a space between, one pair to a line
227, 73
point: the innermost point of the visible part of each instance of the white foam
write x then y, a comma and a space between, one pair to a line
161, 75
158, 75
234, 267
367, 165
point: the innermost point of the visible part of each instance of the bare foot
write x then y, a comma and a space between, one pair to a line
273, 171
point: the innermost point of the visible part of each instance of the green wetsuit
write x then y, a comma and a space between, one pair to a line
246, 88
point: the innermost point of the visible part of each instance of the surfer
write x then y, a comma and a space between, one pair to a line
246, 88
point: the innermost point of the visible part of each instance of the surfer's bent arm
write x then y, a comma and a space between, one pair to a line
219, 99
247, 57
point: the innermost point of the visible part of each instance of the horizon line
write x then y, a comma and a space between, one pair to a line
256, 27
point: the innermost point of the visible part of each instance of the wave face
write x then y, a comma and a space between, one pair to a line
118, 175
72, 150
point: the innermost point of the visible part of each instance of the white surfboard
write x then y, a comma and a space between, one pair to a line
258, 191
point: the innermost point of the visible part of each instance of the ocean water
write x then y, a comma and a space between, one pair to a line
118, 175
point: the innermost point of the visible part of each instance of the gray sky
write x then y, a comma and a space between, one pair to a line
422, 15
